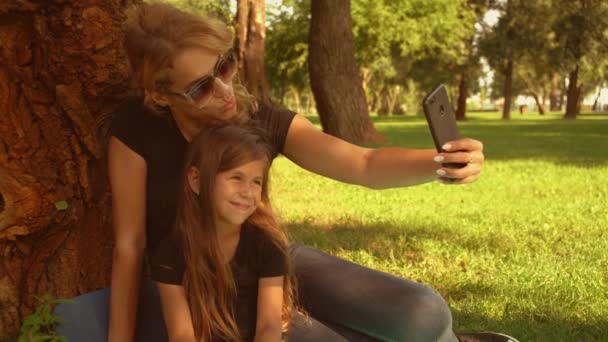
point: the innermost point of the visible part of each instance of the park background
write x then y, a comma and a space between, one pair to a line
521, 251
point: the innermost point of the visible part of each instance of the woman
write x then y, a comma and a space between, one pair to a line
185, 69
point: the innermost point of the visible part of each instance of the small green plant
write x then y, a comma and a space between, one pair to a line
40, 325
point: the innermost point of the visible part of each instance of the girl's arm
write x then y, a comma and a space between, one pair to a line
270, 305
376, 168
127, 171
176, 312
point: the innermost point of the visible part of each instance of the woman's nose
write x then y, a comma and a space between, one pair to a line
222, 89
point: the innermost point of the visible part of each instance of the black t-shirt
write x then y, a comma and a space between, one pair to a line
255, 257
161, 144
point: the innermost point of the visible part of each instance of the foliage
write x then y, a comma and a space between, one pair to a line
547, 37
40, 325
286, 51
216, 8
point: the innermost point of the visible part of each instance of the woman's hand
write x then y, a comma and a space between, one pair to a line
466, 151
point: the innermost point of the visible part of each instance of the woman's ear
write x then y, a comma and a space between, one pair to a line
193, 180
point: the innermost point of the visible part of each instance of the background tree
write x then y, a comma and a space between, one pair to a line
250, 27
471, 68
287, 54
334, 76
580, 32
62, 68
219, 9
406, 45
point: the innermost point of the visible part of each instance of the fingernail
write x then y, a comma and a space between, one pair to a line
447, 147
440, 172
438, 159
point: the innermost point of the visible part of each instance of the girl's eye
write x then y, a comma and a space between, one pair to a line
258, 182
236, 177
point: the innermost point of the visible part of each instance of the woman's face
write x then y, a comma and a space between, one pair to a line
207, 76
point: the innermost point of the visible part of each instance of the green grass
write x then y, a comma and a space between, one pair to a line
524, 250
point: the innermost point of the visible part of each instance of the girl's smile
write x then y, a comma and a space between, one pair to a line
237, 193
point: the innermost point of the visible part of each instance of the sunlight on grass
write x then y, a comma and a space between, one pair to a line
523, 250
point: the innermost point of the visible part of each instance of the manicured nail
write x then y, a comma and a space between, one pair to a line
440, 172
447, 147
438, 159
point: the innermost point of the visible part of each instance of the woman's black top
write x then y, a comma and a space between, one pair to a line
160, 143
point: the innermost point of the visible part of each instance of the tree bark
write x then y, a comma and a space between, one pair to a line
62, 69
463, 90
539, 104
392, 95
553, 98
597, 99
334, 76
508, 90
572, 104
250, 27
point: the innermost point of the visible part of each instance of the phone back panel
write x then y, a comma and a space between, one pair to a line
440, 117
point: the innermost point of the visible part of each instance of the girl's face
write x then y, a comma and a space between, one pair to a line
202, 84
238, 192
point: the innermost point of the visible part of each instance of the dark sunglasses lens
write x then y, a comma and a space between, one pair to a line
201, 90
226, 69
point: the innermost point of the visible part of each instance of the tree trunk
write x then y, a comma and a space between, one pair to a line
296, 98
572, 104
597, 99
250, 27
463, 90
562, 93
506, 111
392, 95
334, 76
544, 101
62, 69
539, 104
554, 104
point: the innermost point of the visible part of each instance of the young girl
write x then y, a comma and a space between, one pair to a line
231, 278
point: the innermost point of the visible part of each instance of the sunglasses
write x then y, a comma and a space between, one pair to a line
201, 91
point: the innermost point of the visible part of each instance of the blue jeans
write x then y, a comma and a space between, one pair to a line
349, 302
345, 302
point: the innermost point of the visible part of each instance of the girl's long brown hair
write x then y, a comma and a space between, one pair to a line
208, 280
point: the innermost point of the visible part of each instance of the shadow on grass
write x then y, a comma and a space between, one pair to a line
406, 245
532, 326
383, 238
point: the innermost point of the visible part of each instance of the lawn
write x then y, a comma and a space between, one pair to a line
522, 251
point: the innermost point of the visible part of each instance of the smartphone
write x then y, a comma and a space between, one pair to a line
442, 122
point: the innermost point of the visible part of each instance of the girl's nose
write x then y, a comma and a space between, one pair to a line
246, 190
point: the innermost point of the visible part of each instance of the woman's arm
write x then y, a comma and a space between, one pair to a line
270, 305
376, 168
176, 312
127, 171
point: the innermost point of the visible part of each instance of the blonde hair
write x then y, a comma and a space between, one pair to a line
155, 33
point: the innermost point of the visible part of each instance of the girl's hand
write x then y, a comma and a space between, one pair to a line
466, 151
